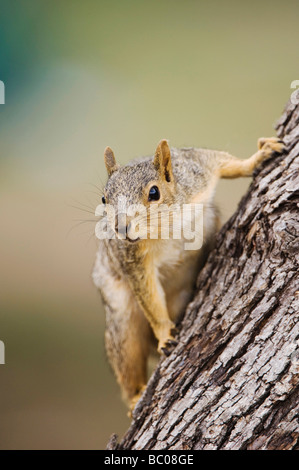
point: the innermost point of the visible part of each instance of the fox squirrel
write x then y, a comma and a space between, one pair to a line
146, 283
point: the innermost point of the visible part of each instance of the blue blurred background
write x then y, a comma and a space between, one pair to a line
80, 76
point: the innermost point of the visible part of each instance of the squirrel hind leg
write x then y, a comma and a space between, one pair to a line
135, 400
128, 333
127, 341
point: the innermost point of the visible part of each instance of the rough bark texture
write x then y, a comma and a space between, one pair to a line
233, 380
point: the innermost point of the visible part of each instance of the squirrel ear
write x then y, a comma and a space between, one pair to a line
162, 160
110, 161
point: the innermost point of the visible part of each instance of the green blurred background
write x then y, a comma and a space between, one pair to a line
81, 75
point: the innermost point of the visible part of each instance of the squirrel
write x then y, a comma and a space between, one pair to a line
146, 283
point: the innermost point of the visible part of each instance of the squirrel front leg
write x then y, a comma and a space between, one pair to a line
232, 167
150, 295
224, 165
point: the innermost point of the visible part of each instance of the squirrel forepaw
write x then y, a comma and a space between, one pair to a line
270, 145
167, 344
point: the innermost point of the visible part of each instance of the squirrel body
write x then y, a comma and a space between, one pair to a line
146, 283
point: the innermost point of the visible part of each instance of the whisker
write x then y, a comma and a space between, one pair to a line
99, 178
83, 209
98, 194
101, 190
92, 236
78, 224
88, 206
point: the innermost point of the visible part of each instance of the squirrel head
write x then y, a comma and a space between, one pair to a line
147, 183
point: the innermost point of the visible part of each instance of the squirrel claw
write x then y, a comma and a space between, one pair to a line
165, 351
168, 346
271, 145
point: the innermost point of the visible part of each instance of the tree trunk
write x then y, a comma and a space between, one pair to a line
232, 382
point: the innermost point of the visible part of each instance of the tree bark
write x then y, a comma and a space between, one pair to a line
232, 382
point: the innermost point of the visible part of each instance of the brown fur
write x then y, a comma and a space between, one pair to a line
147, 284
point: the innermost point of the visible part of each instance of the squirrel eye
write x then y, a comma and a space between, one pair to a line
154, 194
103, 200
